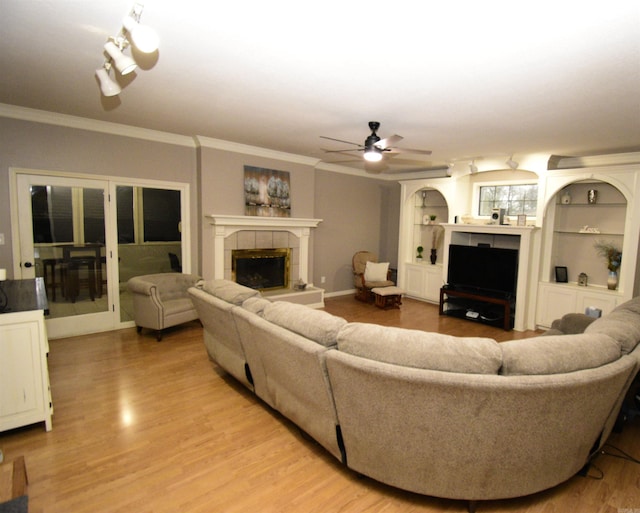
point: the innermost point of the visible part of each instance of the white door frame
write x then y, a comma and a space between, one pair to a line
61, 327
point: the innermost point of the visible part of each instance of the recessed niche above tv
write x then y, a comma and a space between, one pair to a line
483, 270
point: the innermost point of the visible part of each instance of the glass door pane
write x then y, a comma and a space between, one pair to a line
149, 236
62, 232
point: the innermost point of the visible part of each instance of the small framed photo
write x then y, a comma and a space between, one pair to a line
522, 220
562, 276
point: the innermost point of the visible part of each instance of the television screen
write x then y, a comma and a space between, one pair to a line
483, 269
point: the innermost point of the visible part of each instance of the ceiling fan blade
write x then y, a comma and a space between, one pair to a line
340, 140
389, 141
408, 150
341, 151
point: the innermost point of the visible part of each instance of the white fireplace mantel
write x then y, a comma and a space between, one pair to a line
226, 225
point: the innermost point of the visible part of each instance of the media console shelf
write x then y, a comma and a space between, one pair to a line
471, 301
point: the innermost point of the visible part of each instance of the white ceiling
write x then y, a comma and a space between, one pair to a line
462, 78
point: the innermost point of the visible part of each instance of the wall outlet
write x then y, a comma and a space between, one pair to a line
322, 279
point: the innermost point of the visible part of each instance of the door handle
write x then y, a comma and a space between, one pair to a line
28, 264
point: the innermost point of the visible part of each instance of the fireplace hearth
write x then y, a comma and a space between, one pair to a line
261, 269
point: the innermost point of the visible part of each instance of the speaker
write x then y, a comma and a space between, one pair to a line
497, 216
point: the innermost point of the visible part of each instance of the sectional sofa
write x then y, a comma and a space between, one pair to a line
455, 417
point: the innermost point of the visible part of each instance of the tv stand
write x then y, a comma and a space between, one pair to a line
469, 304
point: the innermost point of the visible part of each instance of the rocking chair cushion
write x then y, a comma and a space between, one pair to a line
376, 272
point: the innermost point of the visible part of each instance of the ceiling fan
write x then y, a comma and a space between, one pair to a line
374, 147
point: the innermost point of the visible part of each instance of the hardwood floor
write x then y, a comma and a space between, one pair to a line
141, 426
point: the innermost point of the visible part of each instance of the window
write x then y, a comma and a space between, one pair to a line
148, 215
515, 199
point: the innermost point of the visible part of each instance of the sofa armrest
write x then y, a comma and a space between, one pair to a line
138, 286
572, 323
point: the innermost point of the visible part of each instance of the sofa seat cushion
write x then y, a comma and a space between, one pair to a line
316, 325
420, 349
176, 306
622, 324
229, 291
557, 354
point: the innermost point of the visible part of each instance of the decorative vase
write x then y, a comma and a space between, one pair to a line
612, 280
434, 256
592, 196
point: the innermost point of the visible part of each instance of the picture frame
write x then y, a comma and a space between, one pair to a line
522, 220
562, 276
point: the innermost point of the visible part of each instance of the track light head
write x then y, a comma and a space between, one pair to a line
108, 87
122, 62
512, 163
143, 37
472, 167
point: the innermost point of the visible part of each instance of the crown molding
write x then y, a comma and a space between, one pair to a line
94, 125
614, 159
219, 144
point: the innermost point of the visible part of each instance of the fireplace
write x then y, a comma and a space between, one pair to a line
261, 269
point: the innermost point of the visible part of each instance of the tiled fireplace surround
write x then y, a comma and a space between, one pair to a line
245, 232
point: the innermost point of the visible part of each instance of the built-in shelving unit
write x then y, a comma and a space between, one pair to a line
421, 279
572, 226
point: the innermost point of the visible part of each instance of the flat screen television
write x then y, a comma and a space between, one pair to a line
483, 269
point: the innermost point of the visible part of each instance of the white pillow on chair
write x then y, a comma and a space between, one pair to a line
376, 271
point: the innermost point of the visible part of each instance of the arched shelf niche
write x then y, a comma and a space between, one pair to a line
575, 220
424, 206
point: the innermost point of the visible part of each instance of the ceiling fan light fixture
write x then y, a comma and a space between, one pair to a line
372, 154
122, 62
108, 87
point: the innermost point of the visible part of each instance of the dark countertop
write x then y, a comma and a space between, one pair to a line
25, 295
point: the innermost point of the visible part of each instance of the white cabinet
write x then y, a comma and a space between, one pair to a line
558, 299
423, 281
25, 396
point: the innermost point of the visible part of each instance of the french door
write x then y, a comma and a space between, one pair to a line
63, 231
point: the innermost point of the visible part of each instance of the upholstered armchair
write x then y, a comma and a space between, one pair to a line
369, 274
161, 300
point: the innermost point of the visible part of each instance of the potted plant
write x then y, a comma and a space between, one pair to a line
419, 249
432, 217
613, 256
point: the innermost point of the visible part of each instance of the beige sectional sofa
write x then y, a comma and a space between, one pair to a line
453, 417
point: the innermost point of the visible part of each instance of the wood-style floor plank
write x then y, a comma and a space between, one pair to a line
141, 426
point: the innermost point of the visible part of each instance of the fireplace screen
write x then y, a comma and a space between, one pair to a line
262, 269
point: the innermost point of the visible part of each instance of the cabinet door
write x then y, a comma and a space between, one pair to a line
20, 375
415, 280
554, 302
603, 301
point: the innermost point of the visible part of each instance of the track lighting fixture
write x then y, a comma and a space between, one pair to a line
142, 37
512, 163
108, 87
472, 167
123, 63
372, 154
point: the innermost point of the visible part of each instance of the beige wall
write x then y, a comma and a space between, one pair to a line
357, 212
30, 145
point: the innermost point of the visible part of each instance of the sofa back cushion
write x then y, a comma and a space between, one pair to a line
557, 354
229, 291
316, 325
622, 324
420, 349
256, 305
